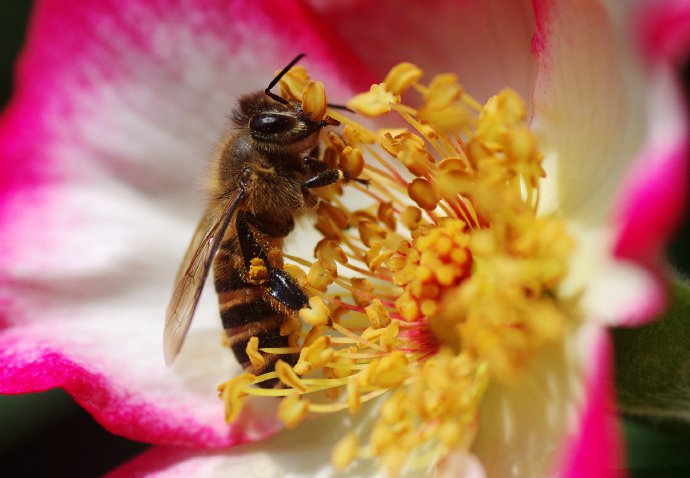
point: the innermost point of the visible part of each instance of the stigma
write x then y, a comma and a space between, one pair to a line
442, 279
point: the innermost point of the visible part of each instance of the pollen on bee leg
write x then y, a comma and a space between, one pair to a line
258, 272
233, 393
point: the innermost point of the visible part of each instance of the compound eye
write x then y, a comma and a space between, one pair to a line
270, 123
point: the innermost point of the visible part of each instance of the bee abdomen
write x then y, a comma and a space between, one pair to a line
248, 313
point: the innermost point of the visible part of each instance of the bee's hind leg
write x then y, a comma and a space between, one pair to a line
281, 285
285, 289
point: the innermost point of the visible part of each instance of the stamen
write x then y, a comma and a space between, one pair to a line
446, 281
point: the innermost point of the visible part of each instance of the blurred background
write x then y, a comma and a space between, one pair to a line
47, 434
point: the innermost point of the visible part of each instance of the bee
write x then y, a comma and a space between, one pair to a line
262, 175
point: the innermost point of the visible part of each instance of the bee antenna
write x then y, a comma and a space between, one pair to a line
278, 77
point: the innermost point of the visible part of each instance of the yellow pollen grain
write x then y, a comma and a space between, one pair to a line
258, 272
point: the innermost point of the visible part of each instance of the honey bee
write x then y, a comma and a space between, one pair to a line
262, 174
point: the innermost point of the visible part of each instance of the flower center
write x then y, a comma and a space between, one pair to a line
443, 279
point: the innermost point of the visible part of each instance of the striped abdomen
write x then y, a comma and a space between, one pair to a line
248, 310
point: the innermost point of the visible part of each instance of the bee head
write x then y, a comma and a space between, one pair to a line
277, 127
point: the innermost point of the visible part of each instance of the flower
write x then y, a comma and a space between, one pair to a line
98, 149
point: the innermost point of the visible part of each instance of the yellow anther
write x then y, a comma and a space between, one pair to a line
316, 355
287, 375
354, 396
291, 325
313, 334
444, 90
422, 193
328, 252
391, 370
255, 357
293, 410
317, 314
345, 451
352, 161
362, 291
521, 145
314, 100
411, 217
297, 273
335, 214
386, 214
291, 85
376, 256
258, 272
407, 307
378, 315
370, 232
417, 161
389, 338
354, 136
381, 438
233, 394
401, 77
376, 102
320, 277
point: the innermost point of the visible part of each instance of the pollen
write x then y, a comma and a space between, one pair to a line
444, 280
258, 272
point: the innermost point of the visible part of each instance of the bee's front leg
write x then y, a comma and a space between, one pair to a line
330, 176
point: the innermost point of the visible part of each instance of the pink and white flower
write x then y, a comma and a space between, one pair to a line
118, 105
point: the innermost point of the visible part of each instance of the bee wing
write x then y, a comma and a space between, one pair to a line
192, 274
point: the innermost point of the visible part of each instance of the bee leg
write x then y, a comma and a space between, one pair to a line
248, 244
280, 284
328, 177
285, 289
313, 165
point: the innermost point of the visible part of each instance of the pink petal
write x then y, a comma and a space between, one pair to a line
103, 147
655, 191
595, 450
614, 134
664, 30
589, 105
302, 452
487, 43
